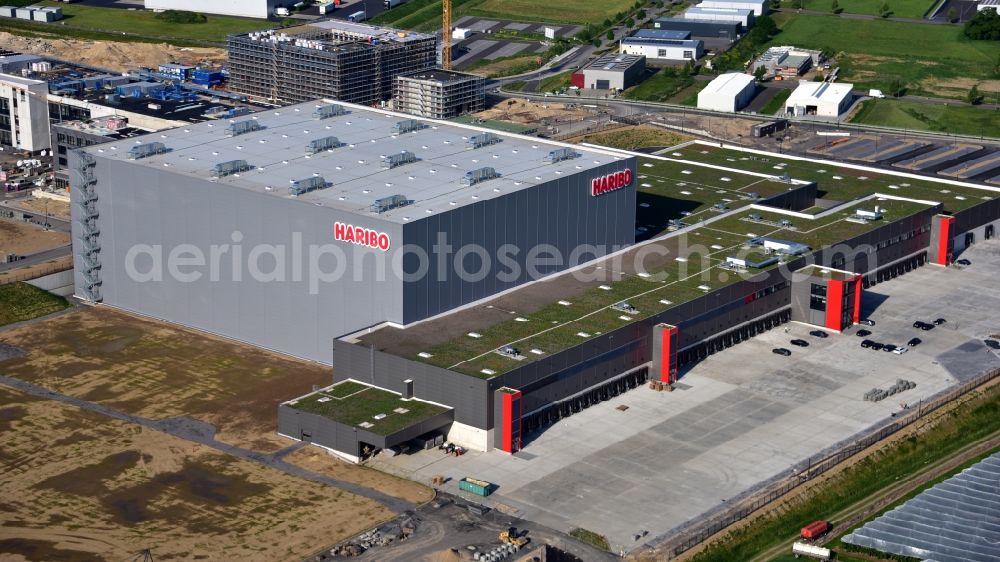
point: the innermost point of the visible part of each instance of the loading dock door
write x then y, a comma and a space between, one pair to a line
989, 233
603, 84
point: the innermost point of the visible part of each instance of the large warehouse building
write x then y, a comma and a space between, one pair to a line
656, 49
291, 227
242, 8
330, 59
822, 99
729, 92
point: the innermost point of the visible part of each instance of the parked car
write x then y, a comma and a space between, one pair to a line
963, 261
800, 343
877, 346
914, 342
939, 321
862, 333
900, 350
866, 343
992, 344
818, 334
889, 347
923, 325
782, 351
867, 322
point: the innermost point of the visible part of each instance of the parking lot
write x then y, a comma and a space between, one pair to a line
738, 418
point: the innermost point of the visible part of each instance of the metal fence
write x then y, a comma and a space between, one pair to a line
684, 538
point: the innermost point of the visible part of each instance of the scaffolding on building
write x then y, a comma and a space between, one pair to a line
439, 94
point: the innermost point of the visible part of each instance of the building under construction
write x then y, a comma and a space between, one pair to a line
440, 94
329, 59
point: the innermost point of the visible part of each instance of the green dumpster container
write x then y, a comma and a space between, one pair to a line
478, 487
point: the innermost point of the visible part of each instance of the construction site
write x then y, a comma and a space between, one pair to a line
328, 59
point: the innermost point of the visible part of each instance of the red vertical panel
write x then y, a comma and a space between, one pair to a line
856, 315
668, 354
944, 237
511, 416
834, 304
577, 79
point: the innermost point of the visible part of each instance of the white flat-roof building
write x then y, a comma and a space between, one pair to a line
823, 99
663, 49
742, 16
242, 8
988, 5
24, 113
759, 7
729, 92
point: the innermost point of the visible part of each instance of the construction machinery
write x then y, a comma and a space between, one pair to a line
446, 34
512, 537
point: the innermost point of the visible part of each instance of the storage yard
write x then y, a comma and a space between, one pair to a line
739, 417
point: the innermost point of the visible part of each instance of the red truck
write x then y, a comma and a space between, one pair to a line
815, 530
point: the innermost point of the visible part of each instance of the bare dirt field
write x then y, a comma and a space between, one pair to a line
18, 237
54, 207
80, 486
160, 371
633, 137
519, 110
319, 461
113, 56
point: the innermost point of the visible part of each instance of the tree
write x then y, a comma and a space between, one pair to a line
607, 22
985, 25
835, 7
610, 35
885, 11
630, 23
759, 73
974, 97
952, 15
797, 4
775, 4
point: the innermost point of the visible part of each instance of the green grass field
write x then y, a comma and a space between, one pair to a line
555, 83
776, 103
956, 119
425, 15
145, 23
662, 86
20, 302
900, 8
931, 59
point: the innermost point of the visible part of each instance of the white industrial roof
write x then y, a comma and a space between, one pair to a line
743, 12
813, 92
354, 172
12, 79
729, 84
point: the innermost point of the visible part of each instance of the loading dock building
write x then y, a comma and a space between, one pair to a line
330, 59
611, 72
730, 31
729, 92
822, 99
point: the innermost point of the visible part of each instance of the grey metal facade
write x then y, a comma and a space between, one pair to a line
140, 205
701, 29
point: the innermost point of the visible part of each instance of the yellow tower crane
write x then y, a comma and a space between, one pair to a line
446, 36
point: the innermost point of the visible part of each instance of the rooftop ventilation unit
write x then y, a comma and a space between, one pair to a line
223, 169
389, 203
243, 127
754, 217
625, 307
473, 177
144, 150
300, 187
325, 143
483, 139
395, 160
509, 351
408, 126
561, 154
328, 111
